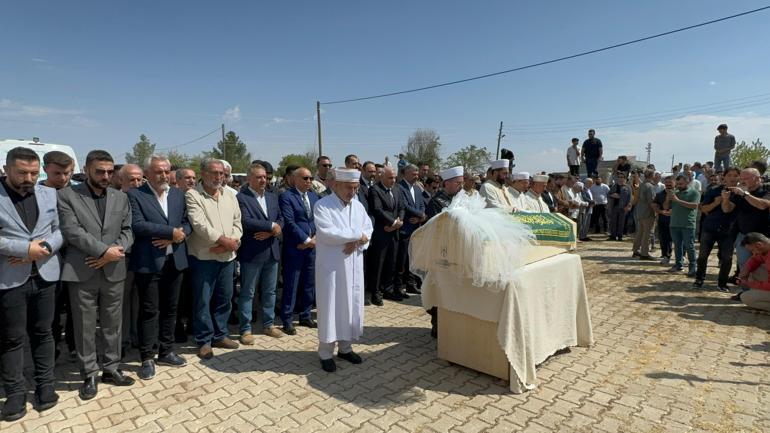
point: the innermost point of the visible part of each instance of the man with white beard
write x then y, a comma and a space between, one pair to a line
343, 229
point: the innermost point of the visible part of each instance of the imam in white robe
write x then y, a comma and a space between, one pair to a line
496, 195
339, 278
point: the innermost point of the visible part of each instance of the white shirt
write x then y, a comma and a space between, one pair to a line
496, 195
260, 199
599, 192
163, 202
533, 203
573, 155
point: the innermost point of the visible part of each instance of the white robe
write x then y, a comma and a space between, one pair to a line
339, 278
496, 195
534, 203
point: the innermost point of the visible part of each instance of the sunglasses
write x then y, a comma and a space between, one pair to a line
326, 165
306, 178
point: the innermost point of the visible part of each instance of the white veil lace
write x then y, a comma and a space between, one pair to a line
487, 246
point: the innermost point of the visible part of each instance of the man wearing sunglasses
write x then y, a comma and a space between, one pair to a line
323, 165
298, 251
96, 222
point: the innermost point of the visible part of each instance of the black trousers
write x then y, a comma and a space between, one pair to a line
184, 312
27, 309
158, 303
726, 242
381, 264
63, 307
664, 233
404, 278
599, 218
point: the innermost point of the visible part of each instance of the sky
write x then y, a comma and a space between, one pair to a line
94, 74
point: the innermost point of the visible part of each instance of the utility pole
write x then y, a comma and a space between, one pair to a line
649, 150
224, 144
500, 136
672, 161
318, 117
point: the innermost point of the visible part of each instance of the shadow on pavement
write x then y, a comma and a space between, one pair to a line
396, 374
692, 379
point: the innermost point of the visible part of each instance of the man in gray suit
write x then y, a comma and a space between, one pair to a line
29, 265
96, 221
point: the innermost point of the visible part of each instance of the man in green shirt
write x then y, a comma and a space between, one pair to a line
683, 202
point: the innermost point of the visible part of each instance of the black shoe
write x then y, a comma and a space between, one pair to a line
172, 360
328, 365
366, 302
392, 296
147, 370
635, 255
611, 238
434, 332
350, 357
697, 284
89, 389
691, 273
647, 258
15, 407
289, 329
377, 300
308, 323
402, 293
413, 290
45, 398
736, 297
117, 378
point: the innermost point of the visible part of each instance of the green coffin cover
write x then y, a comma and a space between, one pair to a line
549, 228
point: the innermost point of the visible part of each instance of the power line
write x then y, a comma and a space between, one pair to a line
548, 62
191, 141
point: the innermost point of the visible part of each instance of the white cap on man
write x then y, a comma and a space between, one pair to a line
540, 178
346, 175
500, 163
451, 173
522, 175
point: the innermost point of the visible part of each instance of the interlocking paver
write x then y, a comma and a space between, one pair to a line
667, 359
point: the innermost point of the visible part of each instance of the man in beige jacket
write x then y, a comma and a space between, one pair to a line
216, 222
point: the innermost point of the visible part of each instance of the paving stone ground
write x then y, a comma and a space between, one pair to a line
667, 359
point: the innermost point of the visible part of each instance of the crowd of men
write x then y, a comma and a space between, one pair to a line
131, 255
143, 255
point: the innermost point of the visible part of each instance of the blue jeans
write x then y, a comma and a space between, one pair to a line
721, 162
264, 272
741, 252
212, 283
591, 164
684, 242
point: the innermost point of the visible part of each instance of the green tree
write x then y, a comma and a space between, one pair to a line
178, 159
473, 159
234, 151
423, 146
744, 154
140, 151
306, 159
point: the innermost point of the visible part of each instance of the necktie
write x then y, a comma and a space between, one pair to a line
390, 193
306, 204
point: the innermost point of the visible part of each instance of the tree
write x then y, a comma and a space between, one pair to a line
234, 151
744, 154
141, 151
178, 159
472, 158
306, 159
423, 146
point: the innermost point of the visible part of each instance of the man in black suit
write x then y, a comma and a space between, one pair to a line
386, 206
158, 260
414, 215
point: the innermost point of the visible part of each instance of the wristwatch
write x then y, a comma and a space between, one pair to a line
47, 246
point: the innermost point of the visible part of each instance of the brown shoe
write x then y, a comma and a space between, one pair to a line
205, 352
247, 338
225, 343
272, 331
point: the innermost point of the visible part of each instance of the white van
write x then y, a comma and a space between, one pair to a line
41, 149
